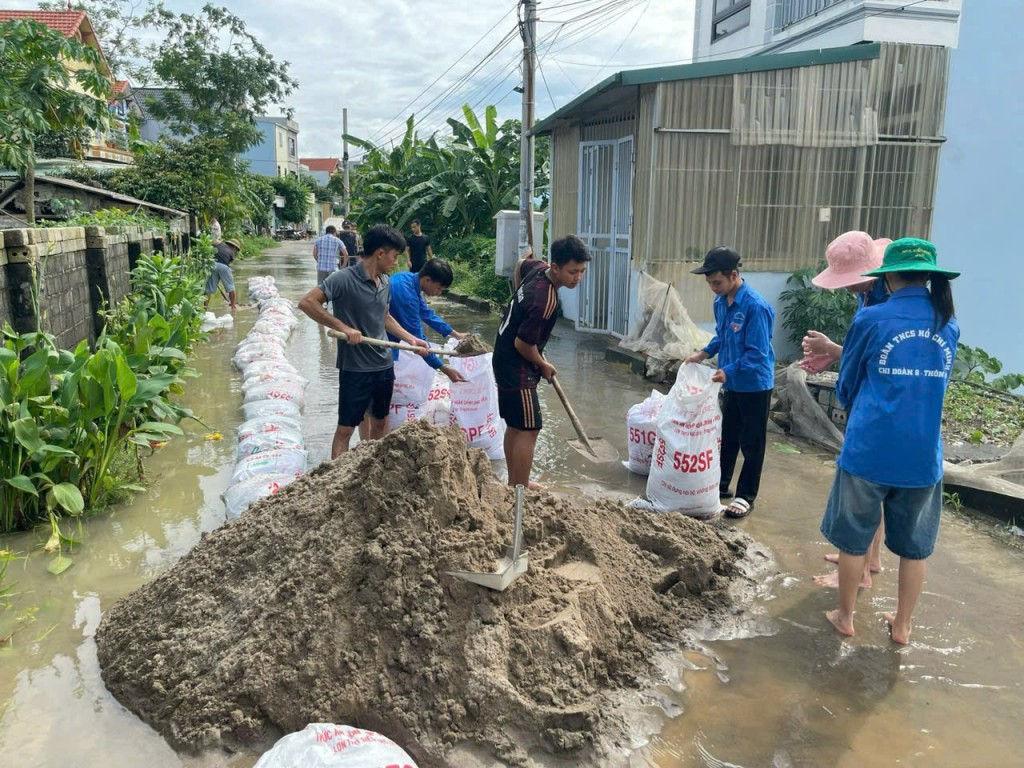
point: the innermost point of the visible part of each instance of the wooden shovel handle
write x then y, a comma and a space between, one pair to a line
392, 344
572, 415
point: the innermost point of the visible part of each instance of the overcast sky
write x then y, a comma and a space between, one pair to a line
380, 58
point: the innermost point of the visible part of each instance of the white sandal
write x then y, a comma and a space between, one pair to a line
738, 508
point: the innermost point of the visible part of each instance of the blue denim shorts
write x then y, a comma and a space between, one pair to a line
222, 274
855, 508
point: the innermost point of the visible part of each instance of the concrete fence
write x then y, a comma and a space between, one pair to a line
57, 280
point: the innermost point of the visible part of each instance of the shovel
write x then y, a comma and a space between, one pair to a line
592, 448
511, 566
393, 344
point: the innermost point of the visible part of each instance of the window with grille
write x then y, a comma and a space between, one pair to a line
729, 16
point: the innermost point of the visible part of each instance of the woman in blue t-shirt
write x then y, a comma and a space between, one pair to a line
894, 370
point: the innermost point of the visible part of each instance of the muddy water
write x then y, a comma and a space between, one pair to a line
777, 687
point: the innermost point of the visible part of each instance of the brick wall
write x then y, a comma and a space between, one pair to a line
77, 270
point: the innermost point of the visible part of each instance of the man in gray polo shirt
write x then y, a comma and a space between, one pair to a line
360, 295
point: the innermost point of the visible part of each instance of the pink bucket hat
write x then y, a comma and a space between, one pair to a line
849, 256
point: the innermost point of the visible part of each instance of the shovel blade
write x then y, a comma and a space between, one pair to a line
508, 570
603, 451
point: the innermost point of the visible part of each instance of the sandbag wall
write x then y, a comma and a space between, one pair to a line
271, 449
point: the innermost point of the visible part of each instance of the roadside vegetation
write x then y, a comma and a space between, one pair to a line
455, 185
82, 420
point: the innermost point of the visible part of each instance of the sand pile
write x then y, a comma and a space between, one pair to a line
329, 603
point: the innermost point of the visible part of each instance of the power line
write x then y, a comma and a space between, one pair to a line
632, 29
402, 111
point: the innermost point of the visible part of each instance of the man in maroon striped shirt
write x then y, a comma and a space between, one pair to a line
518, 359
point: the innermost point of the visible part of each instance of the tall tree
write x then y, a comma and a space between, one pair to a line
120, 27
40, 94
222, 78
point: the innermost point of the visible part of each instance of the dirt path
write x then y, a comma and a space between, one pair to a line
329, 602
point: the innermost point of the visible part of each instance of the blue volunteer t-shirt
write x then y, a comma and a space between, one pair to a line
411, 311
743, 341
893, 377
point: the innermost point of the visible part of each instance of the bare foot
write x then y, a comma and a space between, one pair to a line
532, 486
897, 636
833, 557
842, 629
831, 580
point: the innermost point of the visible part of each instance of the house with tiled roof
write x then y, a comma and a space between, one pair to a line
321, 168
111, 147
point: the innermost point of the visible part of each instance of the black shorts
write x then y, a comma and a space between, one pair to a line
520, 409
360, 392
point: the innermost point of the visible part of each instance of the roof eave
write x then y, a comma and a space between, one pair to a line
762, 63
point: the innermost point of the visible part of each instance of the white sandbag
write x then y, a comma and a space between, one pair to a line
239, 496
261, 367
474, 405
252, 352
641, 432
272, 377
270, 408
212, 322
323, 745
254, 337
278, 390
282, 461
687, 458
284, 439
263, 424
438, 409
271, 326
413, 382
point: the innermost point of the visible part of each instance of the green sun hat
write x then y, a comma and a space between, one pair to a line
909, 254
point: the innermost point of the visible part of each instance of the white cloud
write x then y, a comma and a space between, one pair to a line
376, 56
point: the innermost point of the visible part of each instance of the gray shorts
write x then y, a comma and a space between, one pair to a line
222, 274
856, 506
321, 275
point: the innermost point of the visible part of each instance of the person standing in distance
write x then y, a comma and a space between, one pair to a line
744, 324
327, 250
518, 359
359, 297
419, 248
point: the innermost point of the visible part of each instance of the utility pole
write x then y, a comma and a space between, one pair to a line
528, 31
344, 158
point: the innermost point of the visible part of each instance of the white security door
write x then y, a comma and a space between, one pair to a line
604, 224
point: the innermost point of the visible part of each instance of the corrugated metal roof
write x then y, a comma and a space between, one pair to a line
98, 191
635, 77
65, 22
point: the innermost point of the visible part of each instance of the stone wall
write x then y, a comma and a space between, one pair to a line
58, 280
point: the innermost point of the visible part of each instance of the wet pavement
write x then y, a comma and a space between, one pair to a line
777, 687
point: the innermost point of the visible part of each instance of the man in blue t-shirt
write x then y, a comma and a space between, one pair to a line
411, 310
744, 323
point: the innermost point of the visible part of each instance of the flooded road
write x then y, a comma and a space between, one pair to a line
777, 688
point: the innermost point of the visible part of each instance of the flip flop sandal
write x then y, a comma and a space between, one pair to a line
738, 508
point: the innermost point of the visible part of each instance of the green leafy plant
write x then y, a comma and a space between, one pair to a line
952, 500
73, 415
807, 307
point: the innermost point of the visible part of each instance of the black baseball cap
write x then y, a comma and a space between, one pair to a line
720, 259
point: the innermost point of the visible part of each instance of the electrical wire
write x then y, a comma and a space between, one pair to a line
403, 110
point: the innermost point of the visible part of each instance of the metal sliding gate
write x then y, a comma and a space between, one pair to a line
605, 222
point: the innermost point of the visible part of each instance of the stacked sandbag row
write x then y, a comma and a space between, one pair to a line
271, 450
423, 393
